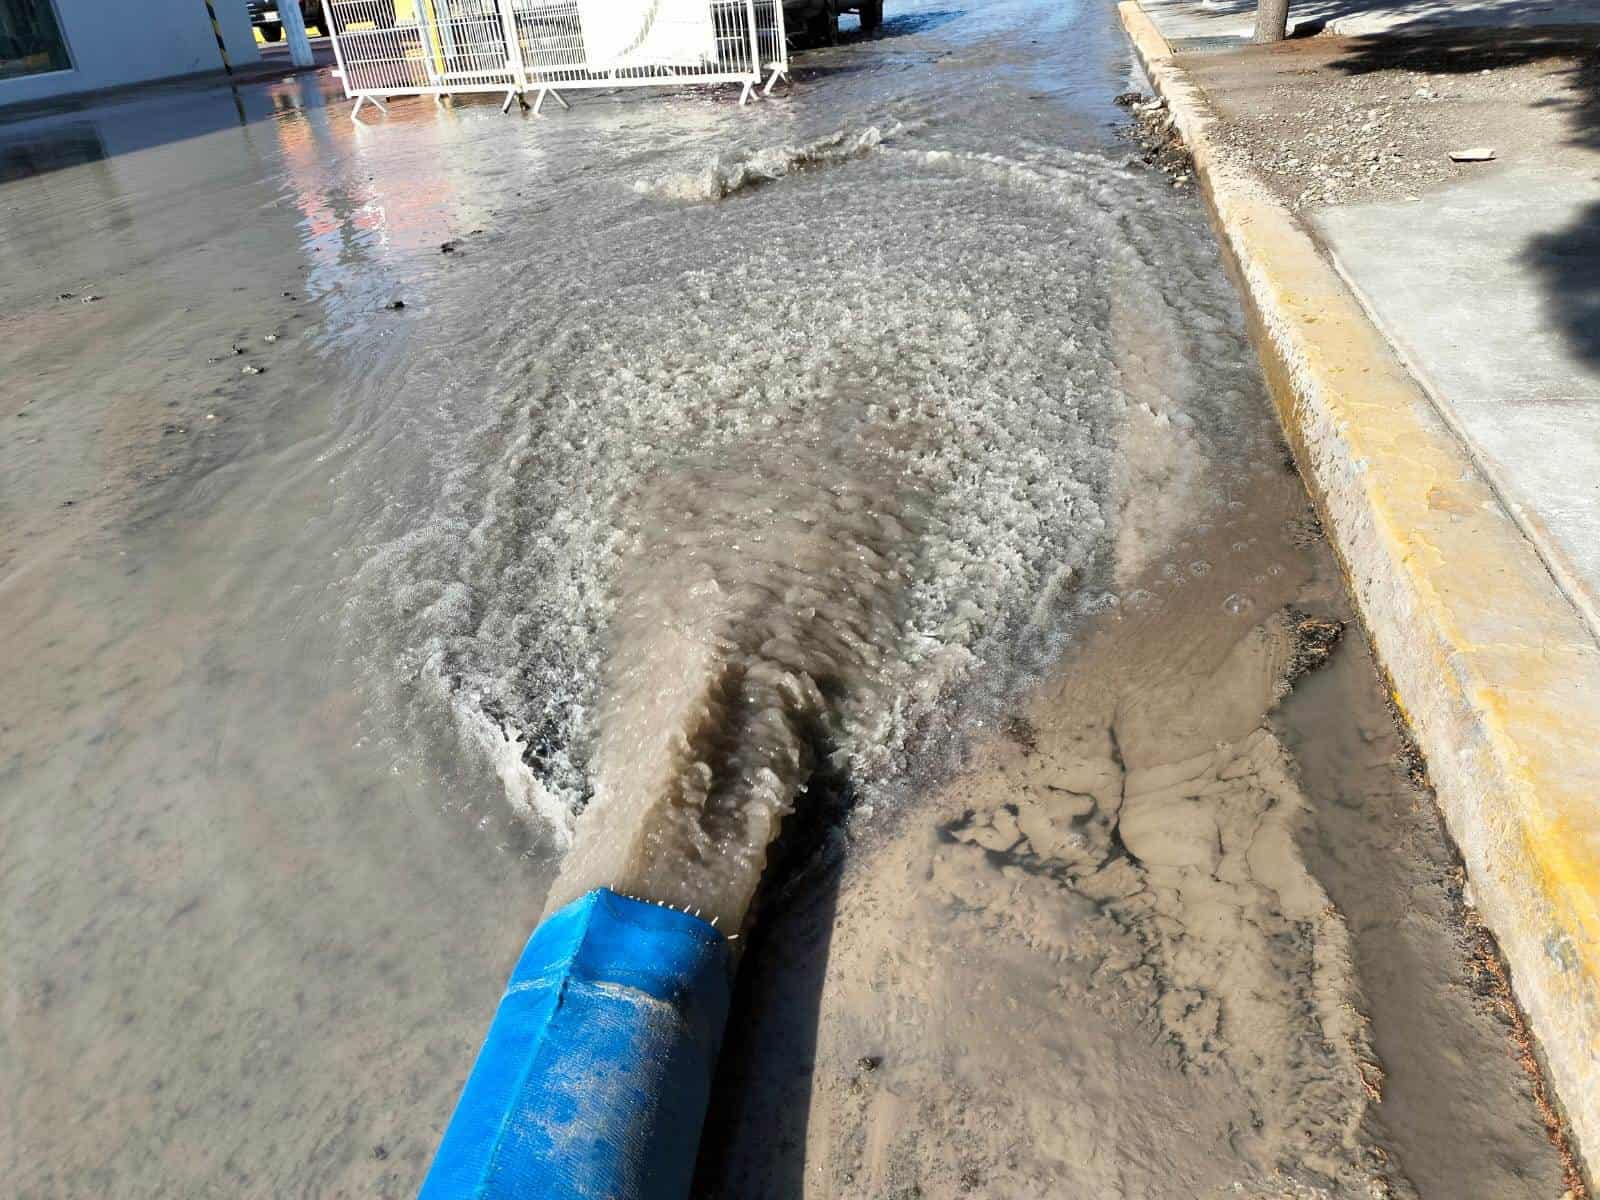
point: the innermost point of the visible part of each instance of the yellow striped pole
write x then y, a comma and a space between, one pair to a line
222, 49
216, 30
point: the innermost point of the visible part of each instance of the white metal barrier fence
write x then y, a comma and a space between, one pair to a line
441, 47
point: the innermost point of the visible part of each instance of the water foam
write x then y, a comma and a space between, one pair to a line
616, 580
729, 173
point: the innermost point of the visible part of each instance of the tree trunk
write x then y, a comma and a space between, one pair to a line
1272, 20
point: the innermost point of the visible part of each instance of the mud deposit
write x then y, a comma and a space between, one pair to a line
1183, 926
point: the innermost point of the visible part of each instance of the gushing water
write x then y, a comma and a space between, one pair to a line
759, 604
713, 528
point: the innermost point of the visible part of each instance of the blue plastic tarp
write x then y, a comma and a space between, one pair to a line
593, 1080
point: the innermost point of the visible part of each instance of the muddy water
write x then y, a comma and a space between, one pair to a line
1182, 925
758, 607
725, 453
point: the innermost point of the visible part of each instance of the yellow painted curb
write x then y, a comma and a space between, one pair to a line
1495, 670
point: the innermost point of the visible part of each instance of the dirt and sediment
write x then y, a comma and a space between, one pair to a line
1185, 924
1334, 120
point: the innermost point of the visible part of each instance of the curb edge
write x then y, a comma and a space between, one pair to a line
1493, 668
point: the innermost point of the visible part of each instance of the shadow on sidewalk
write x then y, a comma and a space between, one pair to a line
1566, 261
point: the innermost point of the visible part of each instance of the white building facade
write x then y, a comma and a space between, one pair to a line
54, 48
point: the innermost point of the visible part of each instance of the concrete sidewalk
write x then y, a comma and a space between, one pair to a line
1180, 19
1485, 276
1467, 510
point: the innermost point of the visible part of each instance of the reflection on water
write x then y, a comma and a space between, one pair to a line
72, 146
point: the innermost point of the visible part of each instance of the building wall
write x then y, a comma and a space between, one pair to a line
115, 42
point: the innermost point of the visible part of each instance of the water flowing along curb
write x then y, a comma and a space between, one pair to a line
1495, 671
593, 1080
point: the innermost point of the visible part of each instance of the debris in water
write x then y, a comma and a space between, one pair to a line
67, 296
1021, 731
250, 369
1163, 147
396, 305
1305, 530
447, 247
90, 298
270, 338
1315, 640
1475, 154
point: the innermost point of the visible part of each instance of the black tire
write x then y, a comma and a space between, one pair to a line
823, 29
273, 33
871, 15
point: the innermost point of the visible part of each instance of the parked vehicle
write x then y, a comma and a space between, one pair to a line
816, 22
264, 16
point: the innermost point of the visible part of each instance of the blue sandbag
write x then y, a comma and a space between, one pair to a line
593, 1080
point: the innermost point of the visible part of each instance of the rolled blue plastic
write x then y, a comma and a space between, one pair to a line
593, 1080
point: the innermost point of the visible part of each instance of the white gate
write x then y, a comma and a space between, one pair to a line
440, 47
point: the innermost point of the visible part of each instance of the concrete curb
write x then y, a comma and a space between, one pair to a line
1495, 671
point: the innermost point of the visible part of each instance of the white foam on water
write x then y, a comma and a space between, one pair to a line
727, 174
529, 798
640, 577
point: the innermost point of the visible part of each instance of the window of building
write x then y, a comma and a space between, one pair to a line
30, 39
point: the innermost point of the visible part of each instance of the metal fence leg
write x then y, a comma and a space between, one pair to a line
364, 98
780, 34
755, 53
331, 30
771, 83
538, 103
514, 63
510, 96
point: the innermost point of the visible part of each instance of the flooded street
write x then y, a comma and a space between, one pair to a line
406, 525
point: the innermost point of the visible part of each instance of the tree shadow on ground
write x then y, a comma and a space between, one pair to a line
1567, 260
